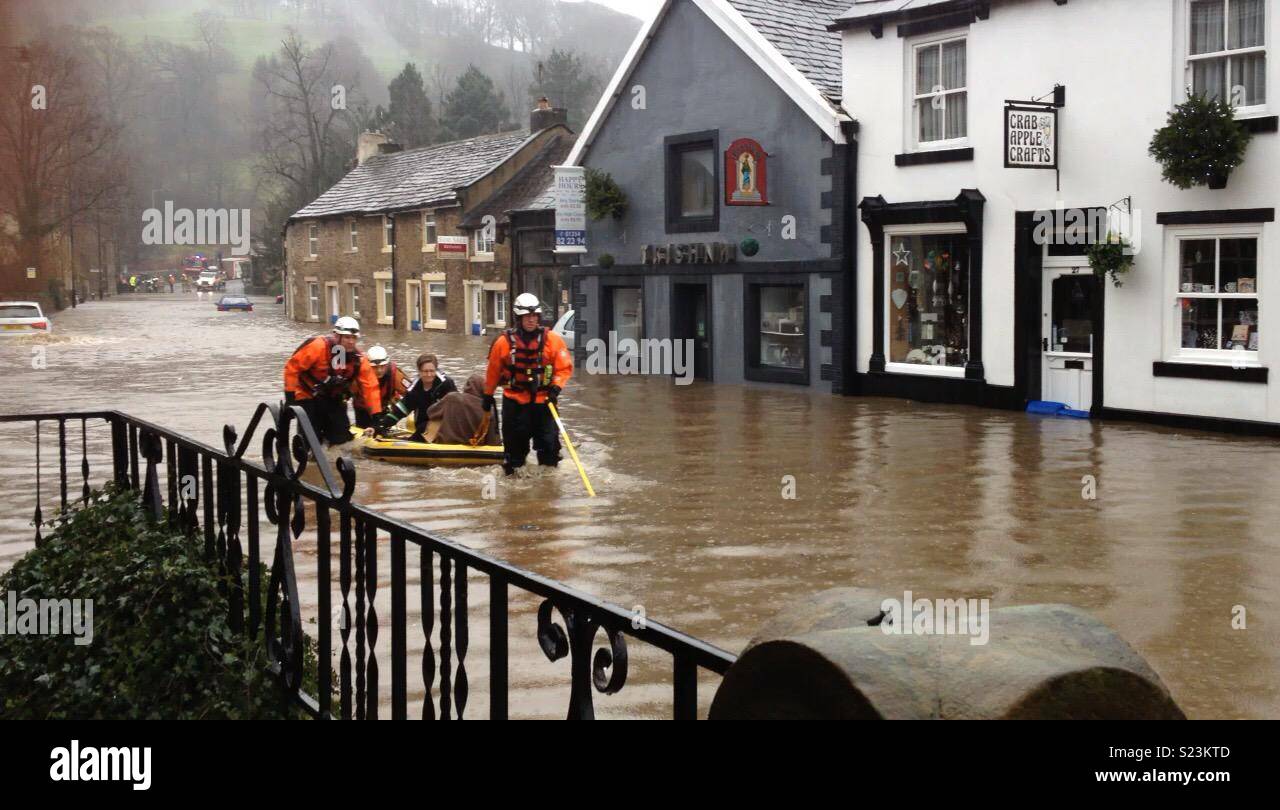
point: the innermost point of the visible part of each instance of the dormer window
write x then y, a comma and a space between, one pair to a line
1226, 53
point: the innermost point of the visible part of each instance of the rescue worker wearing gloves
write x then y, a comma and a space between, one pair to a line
532, 364
392, 384
319, 376
431, 386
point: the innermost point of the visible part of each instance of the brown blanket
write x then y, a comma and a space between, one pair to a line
461, 413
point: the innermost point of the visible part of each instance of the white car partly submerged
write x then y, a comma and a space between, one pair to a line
23, 318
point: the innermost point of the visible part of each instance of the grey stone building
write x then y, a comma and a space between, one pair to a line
723, 128
402, 241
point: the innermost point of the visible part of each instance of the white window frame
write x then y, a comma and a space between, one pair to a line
912, 119
386, 316
1252, 110
313, 300
313, 240
1174, 351
429, 225
434, 282
353, 296
477, 241
925, 229
387, 244
353, 241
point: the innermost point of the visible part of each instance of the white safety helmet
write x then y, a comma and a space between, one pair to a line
346, 325
377, 356
527, 303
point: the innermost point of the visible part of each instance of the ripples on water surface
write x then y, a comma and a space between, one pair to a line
690, 522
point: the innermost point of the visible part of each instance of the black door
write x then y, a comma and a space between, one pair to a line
690, 320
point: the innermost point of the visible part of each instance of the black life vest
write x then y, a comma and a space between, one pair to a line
340, 374
526, 368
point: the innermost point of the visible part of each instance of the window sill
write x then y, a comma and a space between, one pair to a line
927, 157
925, 370
386, 248
441, 325
429, 249
311, 258
775, 374
702, 225
1261, 124
482, 257
1209, 371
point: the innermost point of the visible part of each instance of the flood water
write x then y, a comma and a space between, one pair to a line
691, 522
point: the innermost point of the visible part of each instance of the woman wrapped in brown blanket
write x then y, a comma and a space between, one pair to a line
461, 414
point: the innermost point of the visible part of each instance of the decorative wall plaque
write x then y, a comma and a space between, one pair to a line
745, 174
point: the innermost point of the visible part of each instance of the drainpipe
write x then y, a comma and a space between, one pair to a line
849, 360
395, 282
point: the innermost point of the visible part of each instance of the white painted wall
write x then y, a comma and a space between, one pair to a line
1122, 65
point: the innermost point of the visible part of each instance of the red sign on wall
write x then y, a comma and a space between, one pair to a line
745, 174
451, 244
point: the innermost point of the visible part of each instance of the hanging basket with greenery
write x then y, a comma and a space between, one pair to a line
1201, 143
1111, 257
604, 198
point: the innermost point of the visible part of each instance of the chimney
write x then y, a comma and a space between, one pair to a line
544, 115
367, 145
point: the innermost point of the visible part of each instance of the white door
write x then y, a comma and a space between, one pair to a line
475, 306
1067, 337
333, 302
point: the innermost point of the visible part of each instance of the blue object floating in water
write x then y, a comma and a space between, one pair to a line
1054, 409
1048, 408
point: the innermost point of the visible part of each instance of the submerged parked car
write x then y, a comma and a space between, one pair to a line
229, 302
23, 318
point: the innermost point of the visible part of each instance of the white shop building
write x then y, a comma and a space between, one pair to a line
957, 301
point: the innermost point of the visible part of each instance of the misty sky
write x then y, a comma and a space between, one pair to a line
636, 8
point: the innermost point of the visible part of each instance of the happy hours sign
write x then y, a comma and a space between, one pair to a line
1030, 137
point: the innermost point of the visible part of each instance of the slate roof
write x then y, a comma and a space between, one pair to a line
414, 178
864, 9
530, 188
798, 29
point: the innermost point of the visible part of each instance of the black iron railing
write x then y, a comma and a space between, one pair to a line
202, 495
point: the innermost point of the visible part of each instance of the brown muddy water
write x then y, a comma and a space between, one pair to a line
691, 523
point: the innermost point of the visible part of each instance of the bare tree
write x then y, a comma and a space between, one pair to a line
59, 152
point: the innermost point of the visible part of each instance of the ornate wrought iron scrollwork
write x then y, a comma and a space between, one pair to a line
153, 452
287, 454
607, 668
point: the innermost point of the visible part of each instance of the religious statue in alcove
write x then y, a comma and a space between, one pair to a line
745, 174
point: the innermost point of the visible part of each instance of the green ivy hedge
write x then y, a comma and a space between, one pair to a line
161, 644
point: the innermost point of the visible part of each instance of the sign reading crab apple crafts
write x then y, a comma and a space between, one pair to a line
745, 174
1030, 137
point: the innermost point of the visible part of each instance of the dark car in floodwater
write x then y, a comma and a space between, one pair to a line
229, 302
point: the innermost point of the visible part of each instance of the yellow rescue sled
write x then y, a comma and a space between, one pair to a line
399, 449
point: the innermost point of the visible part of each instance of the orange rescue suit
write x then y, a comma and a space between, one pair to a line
391, 386
314, 361
515, 364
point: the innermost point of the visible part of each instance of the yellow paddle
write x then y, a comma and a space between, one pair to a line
556, 414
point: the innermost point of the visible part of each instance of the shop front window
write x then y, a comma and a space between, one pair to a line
1217, 295
782, 327
927, 310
